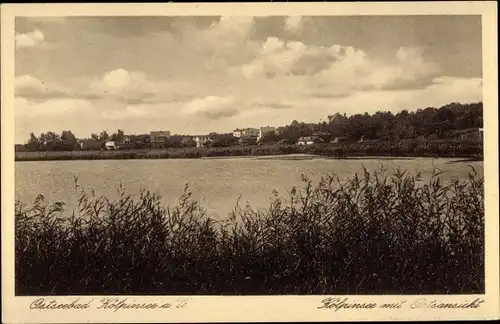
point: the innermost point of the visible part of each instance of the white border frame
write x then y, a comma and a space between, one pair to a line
254, 308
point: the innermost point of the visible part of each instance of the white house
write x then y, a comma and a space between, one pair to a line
237, 132
251, 132
201, 141
263, 131
246, 132
309, 140
111, 145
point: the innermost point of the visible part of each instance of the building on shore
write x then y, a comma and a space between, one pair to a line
325, 136
469, 134
158, 139
202, 141
263, 131
110, 145
237, 132
339, 139
309, 140
188, 141
246, 132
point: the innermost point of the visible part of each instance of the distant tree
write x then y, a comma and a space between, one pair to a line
174, 141
70, 139
222, 140
51, 136
270, 137
188, 142
385, 125
118, 136
33, 143
213, 135
103, 136
94, 136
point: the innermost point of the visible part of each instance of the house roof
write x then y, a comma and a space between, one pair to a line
244, 129
160, 133
310, 138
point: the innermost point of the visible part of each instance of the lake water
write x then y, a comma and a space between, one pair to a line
216, 183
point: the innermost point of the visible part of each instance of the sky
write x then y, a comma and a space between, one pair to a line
195, 75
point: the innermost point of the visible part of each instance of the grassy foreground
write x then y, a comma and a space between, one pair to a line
410, 148
378, 233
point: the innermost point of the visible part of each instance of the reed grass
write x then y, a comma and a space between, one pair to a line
384, 232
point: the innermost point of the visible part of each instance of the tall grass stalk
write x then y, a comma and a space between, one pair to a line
384, 232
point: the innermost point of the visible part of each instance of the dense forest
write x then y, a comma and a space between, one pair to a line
428, 123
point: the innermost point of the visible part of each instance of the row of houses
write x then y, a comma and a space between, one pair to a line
246, 136
474, 134
258, 133
318, 138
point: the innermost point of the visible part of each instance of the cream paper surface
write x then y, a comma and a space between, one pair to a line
253, 308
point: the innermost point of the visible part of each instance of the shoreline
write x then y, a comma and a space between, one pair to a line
388, 150
56, 156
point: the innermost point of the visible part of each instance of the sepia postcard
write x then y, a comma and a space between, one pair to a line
249, 162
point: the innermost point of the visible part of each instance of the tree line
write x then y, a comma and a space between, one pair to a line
428, 123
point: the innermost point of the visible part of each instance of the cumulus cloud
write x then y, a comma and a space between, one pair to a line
125, 86
121, 82
33, 88
293, 23
27, 83
226, 42
51, 108
229, 31
28, 86
119, 86
277, 58
341, 69
211, 107
454, 89
239, 25
56, 114
29, 39
442, 91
